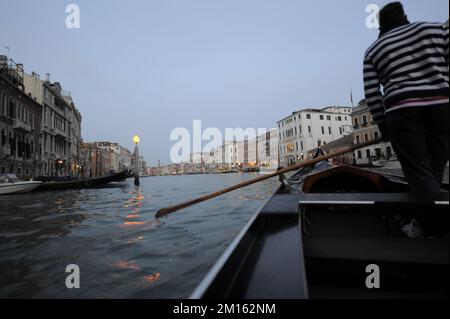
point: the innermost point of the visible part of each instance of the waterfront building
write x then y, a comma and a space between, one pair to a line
96, 161
20, 123
74, 134
267, 146
102, 158
121, 158
366, 130
61, 126
308, 129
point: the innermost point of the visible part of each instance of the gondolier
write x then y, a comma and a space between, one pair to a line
410, 62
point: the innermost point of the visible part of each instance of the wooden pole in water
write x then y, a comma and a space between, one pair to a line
168, 210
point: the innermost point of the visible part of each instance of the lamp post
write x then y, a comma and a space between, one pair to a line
136, 140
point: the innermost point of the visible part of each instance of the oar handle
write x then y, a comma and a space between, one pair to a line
167, 210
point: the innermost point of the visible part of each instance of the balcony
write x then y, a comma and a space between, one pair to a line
21, 126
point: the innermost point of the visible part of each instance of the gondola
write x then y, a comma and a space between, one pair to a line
78, 183
334, 232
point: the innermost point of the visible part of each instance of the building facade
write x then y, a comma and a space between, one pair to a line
20, 124
365, 130
103, 158
74, 132
307, 129
61, 127
268, 148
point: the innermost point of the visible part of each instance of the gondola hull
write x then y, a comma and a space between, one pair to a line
82, 183
319, 240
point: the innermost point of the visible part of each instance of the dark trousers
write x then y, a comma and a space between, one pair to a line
420, 138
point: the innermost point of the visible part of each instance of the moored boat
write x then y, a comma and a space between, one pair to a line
78, 183
322, 234
10, 184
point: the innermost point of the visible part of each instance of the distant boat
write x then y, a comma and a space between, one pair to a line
272, 168
248, 168
55, 184
10, 184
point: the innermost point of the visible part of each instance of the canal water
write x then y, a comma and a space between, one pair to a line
112, 235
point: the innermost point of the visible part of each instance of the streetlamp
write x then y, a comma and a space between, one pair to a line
136, 140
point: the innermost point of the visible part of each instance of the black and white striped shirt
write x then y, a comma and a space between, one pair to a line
411, 64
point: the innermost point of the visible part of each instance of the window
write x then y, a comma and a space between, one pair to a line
375, 135
339, 118
290, 148
3, 138
308, 116
300, 129
364, 120
329, 130
356, 122
11, 108
323, 130
301, 145
368, 153
309, 129
3, 104
366, 138
329, 117
359, 154
357, 139
340, 130
321, 117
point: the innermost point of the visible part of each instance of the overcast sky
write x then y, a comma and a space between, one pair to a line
148, 67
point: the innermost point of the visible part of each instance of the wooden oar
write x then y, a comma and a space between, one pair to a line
167, 210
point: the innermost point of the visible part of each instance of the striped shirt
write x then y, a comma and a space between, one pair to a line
411, 64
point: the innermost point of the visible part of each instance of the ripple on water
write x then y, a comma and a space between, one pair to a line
111, 233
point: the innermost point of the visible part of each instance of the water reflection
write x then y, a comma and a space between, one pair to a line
112, 235
135, 204
152, 278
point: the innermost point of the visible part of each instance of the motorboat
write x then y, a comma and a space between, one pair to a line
11, 184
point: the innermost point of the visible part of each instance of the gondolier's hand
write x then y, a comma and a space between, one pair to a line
383, 131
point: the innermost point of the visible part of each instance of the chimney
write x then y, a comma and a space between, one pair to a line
47, 77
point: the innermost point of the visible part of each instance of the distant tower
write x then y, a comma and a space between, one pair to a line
159, 163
